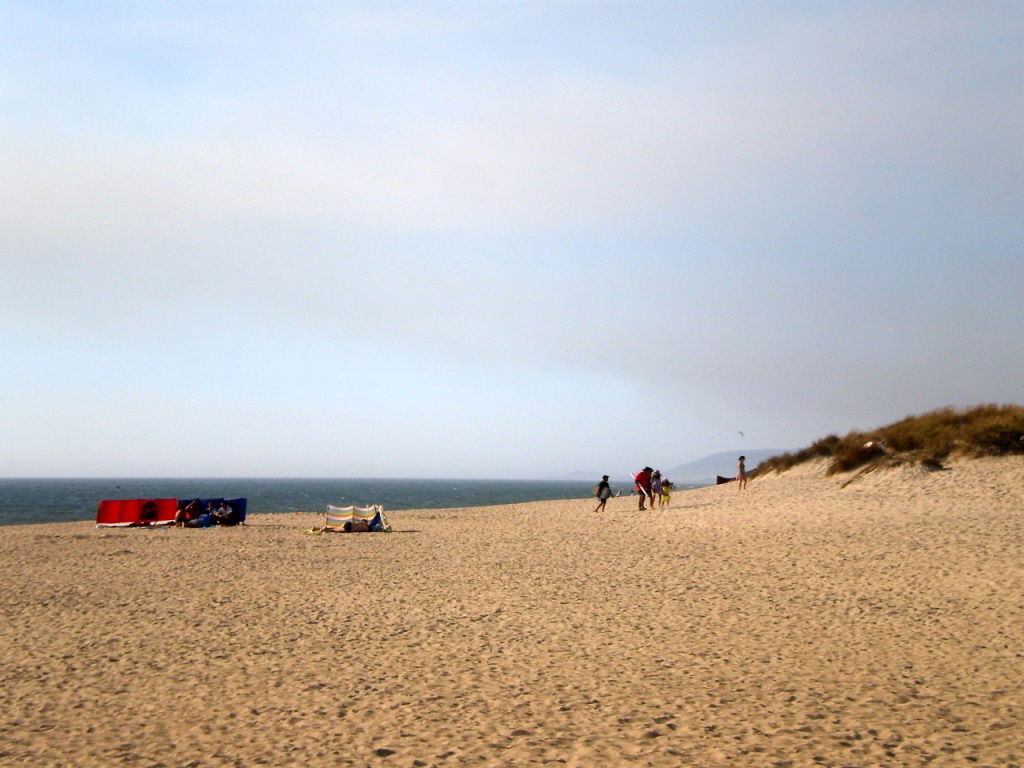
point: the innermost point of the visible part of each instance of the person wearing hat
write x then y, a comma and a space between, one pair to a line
603, 491
642, 479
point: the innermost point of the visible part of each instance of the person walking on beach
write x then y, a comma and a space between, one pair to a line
642, 480
741, 473
603, 491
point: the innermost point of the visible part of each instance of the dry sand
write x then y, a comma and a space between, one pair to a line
795, 624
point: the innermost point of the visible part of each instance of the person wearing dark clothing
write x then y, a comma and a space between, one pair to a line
603, 491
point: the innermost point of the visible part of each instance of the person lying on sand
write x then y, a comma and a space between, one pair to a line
358, 526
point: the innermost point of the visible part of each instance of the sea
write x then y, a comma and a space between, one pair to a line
66, 500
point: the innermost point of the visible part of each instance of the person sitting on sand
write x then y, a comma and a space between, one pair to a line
224, 514
186, 514
741, 473
603, 491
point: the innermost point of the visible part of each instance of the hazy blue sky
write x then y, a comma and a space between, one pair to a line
486, 239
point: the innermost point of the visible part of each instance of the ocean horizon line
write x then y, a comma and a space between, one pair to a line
32, 500
286, 477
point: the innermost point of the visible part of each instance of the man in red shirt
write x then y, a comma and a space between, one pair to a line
642, 479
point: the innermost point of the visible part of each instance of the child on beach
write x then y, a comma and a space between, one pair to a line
741, 473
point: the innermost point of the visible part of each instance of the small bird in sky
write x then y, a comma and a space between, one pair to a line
741, 434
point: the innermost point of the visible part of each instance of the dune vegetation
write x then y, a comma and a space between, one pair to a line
928, 439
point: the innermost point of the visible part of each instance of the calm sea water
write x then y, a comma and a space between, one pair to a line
49, 501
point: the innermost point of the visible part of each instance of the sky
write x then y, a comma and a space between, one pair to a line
498, 240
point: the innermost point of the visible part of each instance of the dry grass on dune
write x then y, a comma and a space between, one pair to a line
984, 430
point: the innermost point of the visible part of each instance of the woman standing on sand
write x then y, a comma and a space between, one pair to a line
656, 488
741, 473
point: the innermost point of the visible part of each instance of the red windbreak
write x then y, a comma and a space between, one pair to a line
136, 511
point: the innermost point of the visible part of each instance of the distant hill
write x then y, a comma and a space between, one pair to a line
703, 471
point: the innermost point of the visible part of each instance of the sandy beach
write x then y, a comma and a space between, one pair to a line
798, 623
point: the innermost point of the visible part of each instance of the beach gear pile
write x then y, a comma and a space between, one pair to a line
145, 513
354, 520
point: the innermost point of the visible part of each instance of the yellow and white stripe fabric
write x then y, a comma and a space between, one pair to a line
338, 516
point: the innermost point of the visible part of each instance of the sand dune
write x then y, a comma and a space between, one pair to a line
798, 623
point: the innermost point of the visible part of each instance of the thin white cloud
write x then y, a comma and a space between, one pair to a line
805, 111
